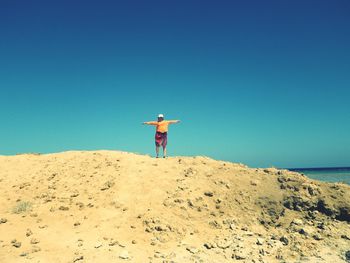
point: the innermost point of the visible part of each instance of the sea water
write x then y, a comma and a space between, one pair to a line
337, 174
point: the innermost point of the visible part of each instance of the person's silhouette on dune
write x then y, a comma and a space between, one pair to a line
161, 137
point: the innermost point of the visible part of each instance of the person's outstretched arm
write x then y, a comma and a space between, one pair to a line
173, 121
150, 122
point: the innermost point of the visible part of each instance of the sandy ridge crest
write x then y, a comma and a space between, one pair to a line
112, 206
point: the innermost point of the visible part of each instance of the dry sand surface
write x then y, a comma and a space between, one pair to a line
110, 206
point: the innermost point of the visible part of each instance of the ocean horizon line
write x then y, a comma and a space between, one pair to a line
340, 168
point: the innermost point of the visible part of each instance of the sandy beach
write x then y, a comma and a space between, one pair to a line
111, 206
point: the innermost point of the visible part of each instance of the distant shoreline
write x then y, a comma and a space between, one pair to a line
320, 169
326, 174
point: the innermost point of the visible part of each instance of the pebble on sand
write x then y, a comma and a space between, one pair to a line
34, 241
29, 232
23, 254
209, 193
16, 244
98, 245
259, 241
192, 250
124, 254
239, 255
78, 258
284, 240
347, 255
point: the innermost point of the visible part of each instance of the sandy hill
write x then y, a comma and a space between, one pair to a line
109, 206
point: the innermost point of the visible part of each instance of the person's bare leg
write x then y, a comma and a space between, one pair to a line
157, 151
164, 152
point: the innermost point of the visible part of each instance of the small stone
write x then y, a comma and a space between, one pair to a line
208, 193
77, 224
284, 240
297, 221
16, 244
317, 237
29, 232
23, 254
78, 258
249, 234
74, 194
232, 226
98, 245
160, 228
254, 183
107, 185
279, 255
134, 242
239, 255
124, 254
120, 244
274, 237
63, 208
347, 255
36, 249
224, 244
208, 245
3, 220
215, 224
302, 231
259, 241
345, 237
192, 250
113, 243
34, 241
158, 254
244, 228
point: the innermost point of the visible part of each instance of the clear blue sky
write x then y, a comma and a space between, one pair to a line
259, 82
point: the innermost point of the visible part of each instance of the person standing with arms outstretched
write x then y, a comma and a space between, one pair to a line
161, 137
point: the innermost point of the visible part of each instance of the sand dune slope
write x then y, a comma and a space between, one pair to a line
109, 206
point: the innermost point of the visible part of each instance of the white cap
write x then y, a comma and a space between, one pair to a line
160, 116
